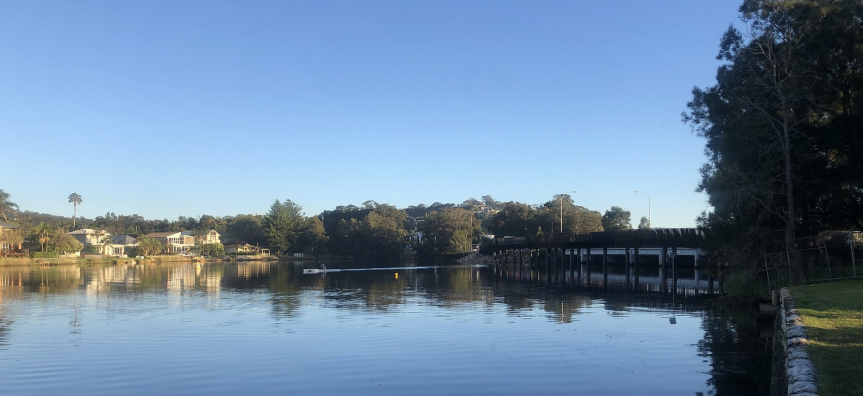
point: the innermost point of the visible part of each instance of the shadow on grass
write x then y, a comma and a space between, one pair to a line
833, 316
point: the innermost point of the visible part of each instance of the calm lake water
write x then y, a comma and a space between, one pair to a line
229, 329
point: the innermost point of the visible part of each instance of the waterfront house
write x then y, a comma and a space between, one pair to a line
88, 236
120, 245
8, 230
210, 237
174, 242
240, 247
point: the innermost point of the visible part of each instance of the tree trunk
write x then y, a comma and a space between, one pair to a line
791, 221
74, 214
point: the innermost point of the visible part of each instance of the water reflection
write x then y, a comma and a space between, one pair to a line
607, 328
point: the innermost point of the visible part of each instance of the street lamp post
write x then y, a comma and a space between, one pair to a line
561, 211
649, 222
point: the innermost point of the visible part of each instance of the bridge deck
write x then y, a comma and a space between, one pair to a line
644, 238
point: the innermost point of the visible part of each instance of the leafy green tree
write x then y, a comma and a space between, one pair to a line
282, 225
247, 228
5, 204
374, 230
490, 202
782, 128
513, 219
64, 243
149, 246
451, 230
471, 205
313, 238
349, 237
75, 199
212, 249
644, 223
587, 221
384, 231
616, 219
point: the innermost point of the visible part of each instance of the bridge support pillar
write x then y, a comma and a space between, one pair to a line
663, 274
605, 267
587, 265
695, 260
710, 283
578, 264
627, 263
674, 270
520, 260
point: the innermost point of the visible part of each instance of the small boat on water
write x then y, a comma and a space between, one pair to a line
324, 269
319, 271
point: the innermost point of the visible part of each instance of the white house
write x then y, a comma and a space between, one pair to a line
210, 237
89, 237
120, 244
174, 242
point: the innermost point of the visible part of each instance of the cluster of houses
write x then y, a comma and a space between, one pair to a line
173, 242
180, 242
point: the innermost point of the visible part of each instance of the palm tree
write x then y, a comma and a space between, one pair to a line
75, 200
43, 231
5, 204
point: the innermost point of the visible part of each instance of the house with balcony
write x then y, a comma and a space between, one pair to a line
210, 237
174, 242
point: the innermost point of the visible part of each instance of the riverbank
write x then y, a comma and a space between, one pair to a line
90, 259
832, 315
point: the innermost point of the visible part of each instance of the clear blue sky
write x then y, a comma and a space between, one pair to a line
169, 108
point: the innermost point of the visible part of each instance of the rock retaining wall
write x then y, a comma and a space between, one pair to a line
799, 370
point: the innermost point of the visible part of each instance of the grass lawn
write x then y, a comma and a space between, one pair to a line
833, 316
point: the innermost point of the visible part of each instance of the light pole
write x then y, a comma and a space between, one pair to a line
649, 223
561, 211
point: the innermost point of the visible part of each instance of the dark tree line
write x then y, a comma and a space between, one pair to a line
373, 230
783, 129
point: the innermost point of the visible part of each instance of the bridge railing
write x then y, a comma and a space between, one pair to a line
656, 237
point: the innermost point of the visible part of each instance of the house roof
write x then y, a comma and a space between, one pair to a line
123, 240
8, 225
83, 231
161, 234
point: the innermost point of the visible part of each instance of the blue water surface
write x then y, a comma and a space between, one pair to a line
266, 328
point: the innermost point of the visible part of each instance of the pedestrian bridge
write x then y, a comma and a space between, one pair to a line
690, 238
572, 256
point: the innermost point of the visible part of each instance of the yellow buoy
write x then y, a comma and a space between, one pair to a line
397, 275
